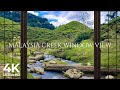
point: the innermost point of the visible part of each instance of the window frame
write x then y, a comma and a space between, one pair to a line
97, 65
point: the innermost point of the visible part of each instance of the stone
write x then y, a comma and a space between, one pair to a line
32, 70
32, 61
43, 65
109, 77
41, 61
52, 62
39, 57
73, 73
28, 66
39, 70
31, 58
28, 70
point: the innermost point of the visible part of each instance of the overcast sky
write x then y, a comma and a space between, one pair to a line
58, 18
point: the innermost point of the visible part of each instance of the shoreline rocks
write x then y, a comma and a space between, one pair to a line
32, 70
37, 58
37, 70
73, 74
109, 77
31, 61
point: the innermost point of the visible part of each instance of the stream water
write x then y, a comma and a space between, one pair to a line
54, 74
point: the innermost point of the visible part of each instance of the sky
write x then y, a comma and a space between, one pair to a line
58, 18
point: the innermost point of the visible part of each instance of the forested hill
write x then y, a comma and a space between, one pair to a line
34, 21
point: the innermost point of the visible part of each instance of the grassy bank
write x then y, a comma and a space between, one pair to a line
85, 54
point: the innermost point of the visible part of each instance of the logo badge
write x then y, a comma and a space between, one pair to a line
11, 70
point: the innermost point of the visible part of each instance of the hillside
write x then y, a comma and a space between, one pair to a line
34, 21
62, 33
73, 32
73, 25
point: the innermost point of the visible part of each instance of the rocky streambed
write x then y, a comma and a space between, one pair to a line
36, 68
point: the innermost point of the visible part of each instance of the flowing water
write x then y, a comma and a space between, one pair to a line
54, 74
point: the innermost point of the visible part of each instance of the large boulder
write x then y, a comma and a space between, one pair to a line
39, 70
109, 77
52, 62
73, 74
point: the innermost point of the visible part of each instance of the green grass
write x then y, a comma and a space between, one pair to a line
113, 57
8, 59
29, 76
86, 54
77, 54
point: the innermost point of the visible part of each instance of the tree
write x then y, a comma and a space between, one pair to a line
112, 14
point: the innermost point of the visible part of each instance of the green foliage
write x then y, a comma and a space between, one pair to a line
8, 59
111, 30
112, 14
82, 36
74, 25
34, 21
8, 31
60, 34
77, 54
30, 76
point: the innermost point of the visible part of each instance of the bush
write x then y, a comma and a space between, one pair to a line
82, 36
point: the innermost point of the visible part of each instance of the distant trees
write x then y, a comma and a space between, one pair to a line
112, 14
34, 21
82, 36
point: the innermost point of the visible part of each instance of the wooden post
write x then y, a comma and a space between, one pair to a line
97, 65
23, 41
